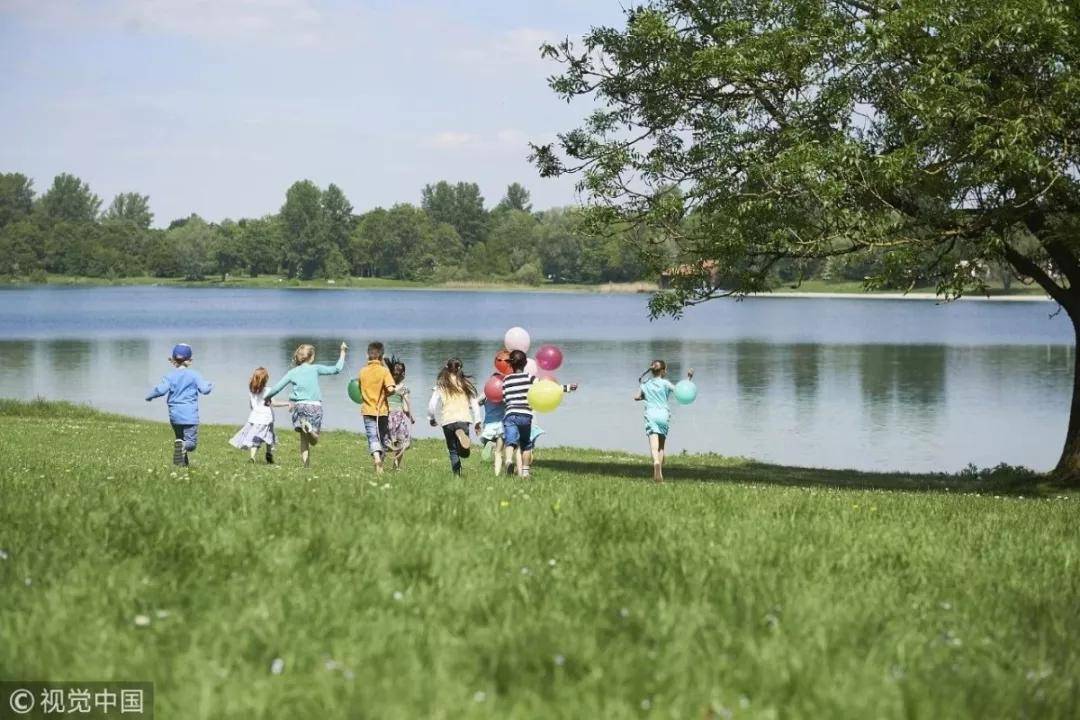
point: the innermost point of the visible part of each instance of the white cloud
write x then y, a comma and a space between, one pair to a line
452, 140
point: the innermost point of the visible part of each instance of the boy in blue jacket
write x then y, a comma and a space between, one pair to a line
182, 386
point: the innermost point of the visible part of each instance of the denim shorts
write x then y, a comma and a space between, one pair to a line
517, 431
377, 429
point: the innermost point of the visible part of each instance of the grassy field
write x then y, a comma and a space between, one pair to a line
736, 590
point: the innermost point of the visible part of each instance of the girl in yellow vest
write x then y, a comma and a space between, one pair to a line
455, 405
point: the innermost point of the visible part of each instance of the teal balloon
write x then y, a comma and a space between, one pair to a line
685, 392
354, 391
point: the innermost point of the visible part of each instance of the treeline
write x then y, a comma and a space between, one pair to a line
451, 235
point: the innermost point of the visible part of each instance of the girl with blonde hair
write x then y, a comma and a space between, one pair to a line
306, 397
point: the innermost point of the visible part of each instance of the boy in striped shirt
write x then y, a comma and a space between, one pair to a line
517, 424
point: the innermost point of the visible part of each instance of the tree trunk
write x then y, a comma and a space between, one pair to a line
1068, 468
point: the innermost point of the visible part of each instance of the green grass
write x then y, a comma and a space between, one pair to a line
736, 590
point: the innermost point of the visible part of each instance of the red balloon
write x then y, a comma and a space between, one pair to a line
549, 357
502, 362
493, 389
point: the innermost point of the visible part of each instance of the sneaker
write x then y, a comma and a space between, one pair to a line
524, 471
463, 439
178, 452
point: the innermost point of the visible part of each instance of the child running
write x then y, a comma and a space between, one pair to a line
517, 425
401, 416
259, 429
183, 387
376, 386
455, 406
491, 435
306, 398
655, 392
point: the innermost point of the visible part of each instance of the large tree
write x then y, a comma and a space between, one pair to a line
303, 230
70, 200
941, 133
516, 198
460, 205
130, 207
16, 197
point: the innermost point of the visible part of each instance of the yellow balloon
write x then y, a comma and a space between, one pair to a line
545, 395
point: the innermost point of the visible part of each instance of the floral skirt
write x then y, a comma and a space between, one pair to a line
400, 430
312, 412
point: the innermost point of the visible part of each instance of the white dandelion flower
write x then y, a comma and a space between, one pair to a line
277, 666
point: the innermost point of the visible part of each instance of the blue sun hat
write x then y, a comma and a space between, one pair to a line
181, 352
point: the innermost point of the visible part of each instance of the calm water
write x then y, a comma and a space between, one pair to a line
872, 384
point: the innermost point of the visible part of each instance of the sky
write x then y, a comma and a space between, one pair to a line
217, 106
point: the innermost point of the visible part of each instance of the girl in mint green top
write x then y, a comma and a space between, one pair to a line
655, 392
306, 397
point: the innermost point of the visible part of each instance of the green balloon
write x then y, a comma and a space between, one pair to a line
354, 391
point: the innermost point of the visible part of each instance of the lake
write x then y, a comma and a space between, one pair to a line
862, 383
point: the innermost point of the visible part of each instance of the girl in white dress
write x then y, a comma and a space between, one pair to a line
259, 429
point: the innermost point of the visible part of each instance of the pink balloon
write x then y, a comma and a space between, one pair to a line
549, 357
493, 389
530, 367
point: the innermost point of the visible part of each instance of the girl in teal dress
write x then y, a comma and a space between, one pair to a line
655, 392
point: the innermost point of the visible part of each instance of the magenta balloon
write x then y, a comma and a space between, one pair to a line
549, 357
493, 389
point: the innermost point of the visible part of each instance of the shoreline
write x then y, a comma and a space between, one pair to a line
627, 288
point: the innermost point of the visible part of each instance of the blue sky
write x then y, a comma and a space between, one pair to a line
217, 106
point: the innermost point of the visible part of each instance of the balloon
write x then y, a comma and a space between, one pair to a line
530, 367
502, 362
545, 396
517, 339
549, 357
493, 389
685, 392
354, 391
546, 375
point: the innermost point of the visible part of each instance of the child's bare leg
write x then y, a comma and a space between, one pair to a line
518, 462
305, 448
526, 462
254, 451
655, 443
377, 459
508, 455
498, 456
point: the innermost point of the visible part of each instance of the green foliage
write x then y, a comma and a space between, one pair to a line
130, 207
192, 248
922, 131
460, 205
736, 589
303, 229
16, 197
516, 198
69, 200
